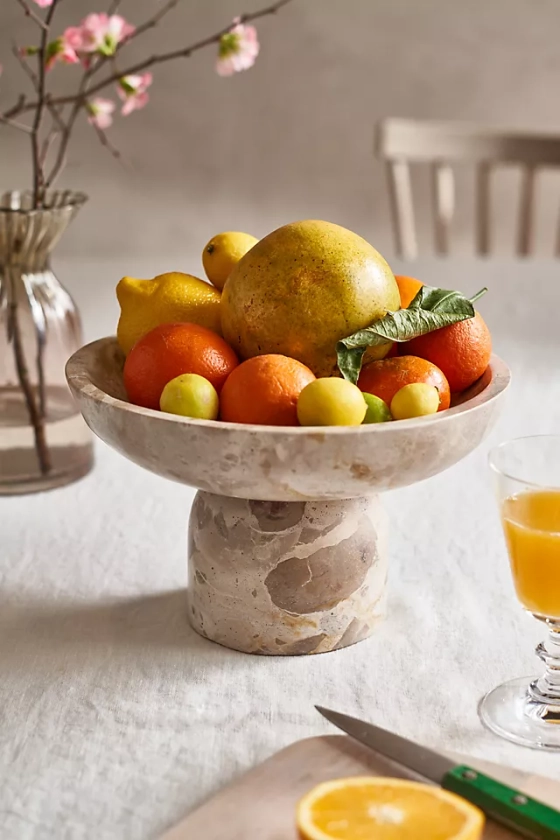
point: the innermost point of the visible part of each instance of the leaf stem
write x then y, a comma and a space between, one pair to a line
478, 295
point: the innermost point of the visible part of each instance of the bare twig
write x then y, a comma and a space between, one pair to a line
114, 7
38, 175
153, 21
15, 124
16, 109
104, 140
31, 14
35, 82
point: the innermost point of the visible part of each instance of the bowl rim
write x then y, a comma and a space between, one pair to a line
79, 381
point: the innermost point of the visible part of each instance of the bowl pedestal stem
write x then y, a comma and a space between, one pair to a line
286, 578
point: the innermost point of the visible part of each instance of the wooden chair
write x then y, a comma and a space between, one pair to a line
401, 142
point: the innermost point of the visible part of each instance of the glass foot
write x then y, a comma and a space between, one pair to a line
511, 711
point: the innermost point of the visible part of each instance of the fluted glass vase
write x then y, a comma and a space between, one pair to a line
44, 442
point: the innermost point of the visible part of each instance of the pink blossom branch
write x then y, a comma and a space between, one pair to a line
184, 52
31, 14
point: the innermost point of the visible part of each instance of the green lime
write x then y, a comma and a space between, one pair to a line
331, 401
190, 395
415, 400
377, 409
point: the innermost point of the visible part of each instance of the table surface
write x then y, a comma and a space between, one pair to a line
117, 719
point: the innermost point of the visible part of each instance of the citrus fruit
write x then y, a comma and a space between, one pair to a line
301, 289
415, 400
377, 410
385, 377
408, 289
190, 395
331, 401
223, 252
168, 298
264, 390
365, 807
462, 351
168, 351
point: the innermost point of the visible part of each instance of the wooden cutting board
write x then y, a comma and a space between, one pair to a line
261, 804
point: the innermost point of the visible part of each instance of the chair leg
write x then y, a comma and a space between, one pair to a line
525, 232
443, 203
483, 209
402, 209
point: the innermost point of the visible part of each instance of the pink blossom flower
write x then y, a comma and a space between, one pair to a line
132, 91
100, 112
237, 49
103, 33
44, 3
59, 50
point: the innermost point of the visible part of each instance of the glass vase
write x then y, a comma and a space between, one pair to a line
44, 442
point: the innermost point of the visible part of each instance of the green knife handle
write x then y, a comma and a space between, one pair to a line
506, 805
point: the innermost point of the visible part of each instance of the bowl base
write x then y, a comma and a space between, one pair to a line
286, 578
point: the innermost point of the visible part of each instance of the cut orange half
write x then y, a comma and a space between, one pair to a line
374, 808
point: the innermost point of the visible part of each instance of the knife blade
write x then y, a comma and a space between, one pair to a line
512, 808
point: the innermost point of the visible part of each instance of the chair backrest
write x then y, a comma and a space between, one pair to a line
401, 142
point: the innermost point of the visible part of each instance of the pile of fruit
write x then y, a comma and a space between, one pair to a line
307, 326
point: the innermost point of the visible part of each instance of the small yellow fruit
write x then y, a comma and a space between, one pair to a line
377, 409
331, 401
190, 395
169, 298
415, 400
223, 252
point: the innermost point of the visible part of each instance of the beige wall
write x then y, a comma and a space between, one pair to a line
291, 138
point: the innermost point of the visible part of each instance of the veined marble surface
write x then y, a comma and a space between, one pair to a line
117, 718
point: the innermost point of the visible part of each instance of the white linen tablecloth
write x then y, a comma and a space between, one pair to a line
116, 719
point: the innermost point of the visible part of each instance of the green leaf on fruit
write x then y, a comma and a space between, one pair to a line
430, 310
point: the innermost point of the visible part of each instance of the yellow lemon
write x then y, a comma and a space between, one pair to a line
190, 395
331, 401
168, 298
415, 400
387, 809
223, 252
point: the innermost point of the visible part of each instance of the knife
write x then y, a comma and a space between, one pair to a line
505, 805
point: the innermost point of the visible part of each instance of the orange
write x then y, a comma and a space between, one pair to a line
169, 351
265, 389
387, 376
408, 289
386, 809
462, 351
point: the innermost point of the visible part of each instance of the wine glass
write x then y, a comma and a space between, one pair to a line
527, 477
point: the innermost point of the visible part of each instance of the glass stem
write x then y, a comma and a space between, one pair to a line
547, 688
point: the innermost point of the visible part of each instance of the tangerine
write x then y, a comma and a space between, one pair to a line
170, 350
462, 351
265, 390
408, 289
387, 376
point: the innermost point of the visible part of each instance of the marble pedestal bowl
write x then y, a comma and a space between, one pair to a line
287, 534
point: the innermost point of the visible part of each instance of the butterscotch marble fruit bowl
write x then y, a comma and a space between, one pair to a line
280, 463
287, 534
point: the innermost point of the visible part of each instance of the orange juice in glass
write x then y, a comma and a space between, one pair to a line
527, 474
531, 522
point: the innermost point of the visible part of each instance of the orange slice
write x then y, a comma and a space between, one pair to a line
374, 808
